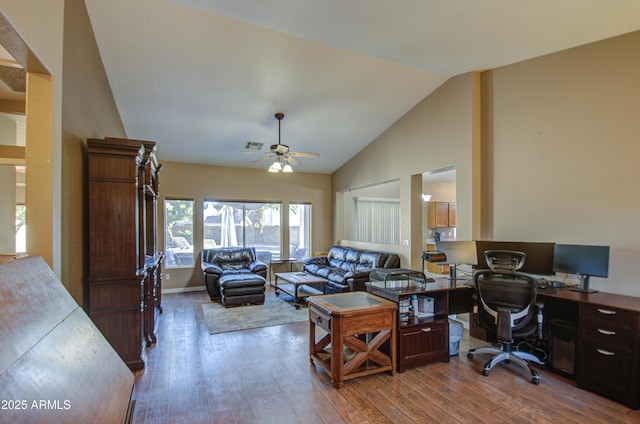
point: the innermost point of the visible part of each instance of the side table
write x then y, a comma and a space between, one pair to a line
360, 329
273, 262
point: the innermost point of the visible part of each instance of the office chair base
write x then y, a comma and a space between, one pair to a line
499, 355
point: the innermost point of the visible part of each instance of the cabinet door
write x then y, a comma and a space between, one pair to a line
608, 372
438, 215
424, 344
452, 214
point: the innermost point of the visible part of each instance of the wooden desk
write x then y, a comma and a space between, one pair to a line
607, 345
357, 325
423, 340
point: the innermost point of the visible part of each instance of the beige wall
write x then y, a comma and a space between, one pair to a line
199, 182
88, 111
435, 134
82, 107
560, 139
563, 141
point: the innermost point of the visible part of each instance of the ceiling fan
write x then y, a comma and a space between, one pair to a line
284, 157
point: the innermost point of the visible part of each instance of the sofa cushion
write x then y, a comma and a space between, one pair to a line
324, 271
353, 255
245, 279
370, 260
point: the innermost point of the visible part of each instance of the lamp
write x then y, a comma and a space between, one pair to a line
276, 166
426, 197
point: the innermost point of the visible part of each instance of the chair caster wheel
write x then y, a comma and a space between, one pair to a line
277, 293
535, 380
485, 372
470, 355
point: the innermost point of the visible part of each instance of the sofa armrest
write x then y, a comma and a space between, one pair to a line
357, 280
257, 266
209, 268
317, 260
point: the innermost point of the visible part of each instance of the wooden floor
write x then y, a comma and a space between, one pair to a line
264, 376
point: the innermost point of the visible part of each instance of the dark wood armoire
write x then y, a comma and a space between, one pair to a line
124, 269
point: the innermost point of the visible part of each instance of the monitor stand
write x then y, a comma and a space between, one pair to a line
453, 275
584, 285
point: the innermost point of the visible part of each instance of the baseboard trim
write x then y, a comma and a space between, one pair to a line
183, 290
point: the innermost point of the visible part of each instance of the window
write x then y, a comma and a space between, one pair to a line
378, 220
299, 231
243, 224
178, 240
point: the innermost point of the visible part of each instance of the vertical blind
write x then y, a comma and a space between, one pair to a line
377, 220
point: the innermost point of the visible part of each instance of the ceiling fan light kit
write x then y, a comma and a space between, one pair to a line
284, 158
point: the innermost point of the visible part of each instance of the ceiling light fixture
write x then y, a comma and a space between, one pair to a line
275, 166
285, 159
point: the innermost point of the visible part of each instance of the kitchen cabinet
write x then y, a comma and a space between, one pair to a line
441, 214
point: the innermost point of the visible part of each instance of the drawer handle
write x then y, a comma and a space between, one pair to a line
606, 332
606, 311
426, 330
605, 352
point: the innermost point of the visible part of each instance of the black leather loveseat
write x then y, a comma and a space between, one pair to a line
347, 269
234, 275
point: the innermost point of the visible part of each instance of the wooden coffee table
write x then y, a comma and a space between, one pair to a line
298, 285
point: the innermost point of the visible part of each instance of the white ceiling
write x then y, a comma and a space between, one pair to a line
203, 77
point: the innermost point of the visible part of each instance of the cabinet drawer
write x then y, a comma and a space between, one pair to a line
610, 337
609, 373
421, 345
320, 319
609, 317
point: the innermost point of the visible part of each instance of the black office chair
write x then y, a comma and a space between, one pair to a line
507, 310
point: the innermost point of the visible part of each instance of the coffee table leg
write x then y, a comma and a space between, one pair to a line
295, 296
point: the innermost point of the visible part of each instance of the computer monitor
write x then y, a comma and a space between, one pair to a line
538, 259
583, 260
457, 252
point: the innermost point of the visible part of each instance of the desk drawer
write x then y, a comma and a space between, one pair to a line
609, 317
419, 345
613, 338
609, 373
320, 319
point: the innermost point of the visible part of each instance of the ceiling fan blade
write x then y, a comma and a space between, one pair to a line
304, 154
263, 158
292, 160
255, 152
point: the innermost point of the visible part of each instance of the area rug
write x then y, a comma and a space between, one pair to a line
274, 311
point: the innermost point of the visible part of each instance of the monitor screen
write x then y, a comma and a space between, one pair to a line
458, 252
538, 260
581, 259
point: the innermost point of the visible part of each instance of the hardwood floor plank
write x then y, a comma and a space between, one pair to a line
264, 376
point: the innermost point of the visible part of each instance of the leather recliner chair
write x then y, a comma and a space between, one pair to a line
241, 269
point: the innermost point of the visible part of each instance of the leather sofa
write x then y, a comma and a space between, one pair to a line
347, 269
234, 275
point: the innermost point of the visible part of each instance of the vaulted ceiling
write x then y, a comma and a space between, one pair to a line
204, 77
